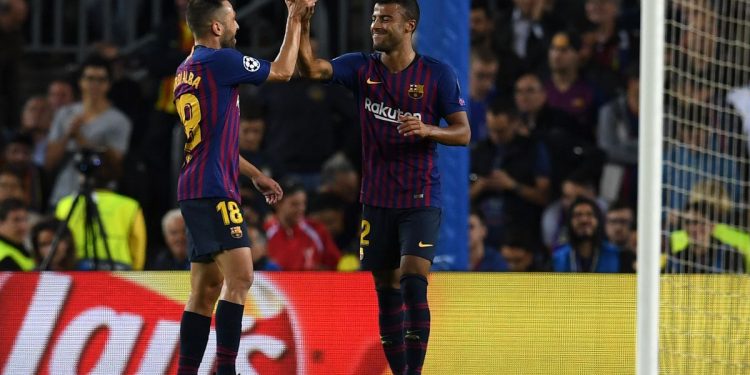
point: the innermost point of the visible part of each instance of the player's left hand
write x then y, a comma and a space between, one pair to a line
412, 126
269, 188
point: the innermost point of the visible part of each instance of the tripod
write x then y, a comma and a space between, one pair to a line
93, 230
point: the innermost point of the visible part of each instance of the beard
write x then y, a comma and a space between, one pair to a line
385, 45
228, 40
579, 236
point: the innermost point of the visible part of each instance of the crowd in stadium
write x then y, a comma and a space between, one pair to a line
554, 104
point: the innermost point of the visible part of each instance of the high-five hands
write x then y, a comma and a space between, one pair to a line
300, 8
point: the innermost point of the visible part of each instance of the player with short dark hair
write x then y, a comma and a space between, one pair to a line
399, 92
207, 101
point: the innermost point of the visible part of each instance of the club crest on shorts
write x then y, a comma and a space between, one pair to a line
416, 91
236, 232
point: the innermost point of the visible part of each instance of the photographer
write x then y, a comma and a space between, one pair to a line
93, 122
121, 217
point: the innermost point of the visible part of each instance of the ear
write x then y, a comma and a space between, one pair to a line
217, 28
411, 25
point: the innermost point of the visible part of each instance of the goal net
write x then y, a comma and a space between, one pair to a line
705, 292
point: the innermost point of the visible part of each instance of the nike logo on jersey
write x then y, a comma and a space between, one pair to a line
371, 82
422, 244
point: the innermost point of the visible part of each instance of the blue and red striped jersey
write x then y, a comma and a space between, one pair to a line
207, 101
398, 171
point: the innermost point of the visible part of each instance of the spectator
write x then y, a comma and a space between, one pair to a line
34, 185
566, 89
522, 37
14, 226
174, 257
340, 180
620, 226
556, 129
510, 175
588, 250
295, 242
521, 253
618, 137
261, 261
613, 48
481, 256
12, 17
322, 123
36, 119
121, 218
42, 236
482, 76
480, 25
329, 210
555, 217
11, 186
91, 124
702, 245
697, 154
252, 132
60, 93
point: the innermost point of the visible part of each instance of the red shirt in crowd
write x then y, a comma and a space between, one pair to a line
306, 247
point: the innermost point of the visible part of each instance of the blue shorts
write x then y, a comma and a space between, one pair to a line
390, 233
213, 225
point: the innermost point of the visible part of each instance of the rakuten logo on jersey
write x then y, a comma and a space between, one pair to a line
386, 113
95, 323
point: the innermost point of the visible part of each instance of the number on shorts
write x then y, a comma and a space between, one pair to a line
189, 109
363, 241
230, 212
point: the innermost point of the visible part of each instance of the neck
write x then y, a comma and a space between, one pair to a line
95, 105
208, 42
564, 78
585, 249
287, 223
476, 253
398, 59
605, 31
633, 103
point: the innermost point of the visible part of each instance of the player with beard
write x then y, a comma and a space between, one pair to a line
401, 98
207, 101
588, 249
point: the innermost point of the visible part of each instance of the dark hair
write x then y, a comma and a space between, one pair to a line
52, 224
410, 7
291, 186
599, 235
96, 61
573, 36
500, 106
479, 214
520, 238
9, 205
200, 13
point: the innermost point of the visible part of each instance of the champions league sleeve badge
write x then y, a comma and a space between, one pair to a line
251, 64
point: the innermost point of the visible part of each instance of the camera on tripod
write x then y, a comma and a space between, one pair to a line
87, 160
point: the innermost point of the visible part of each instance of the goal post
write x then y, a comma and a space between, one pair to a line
694, 188
649, 185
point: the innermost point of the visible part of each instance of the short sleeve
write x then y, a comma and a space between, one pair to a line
345, 69
233, 68
449, 93
118, 135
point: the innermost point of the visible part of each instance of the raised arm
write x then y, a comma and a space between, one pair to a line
309, 66
282, 68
